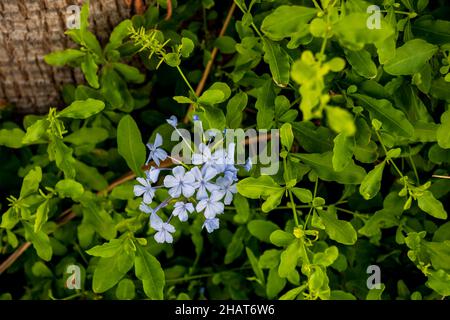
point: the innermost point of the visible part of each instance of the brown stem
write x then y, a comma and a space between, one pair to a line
441, 177
169, 10
14, 256
206, 72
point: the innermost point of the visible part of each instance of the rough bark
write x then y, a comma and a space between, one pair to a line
30, 29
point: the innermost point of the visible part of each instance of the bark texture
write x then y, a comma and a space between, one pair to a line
30, 29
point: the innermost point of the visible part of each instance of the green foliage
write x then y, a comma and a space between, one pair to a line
363, 119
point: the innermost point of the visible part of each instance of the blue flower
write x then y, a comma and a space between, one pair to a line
145, 189
211, 205
203, 179
145, 208
156, 153
164, 229
227, 188
195, 117
180, 183
173, 121
211, 224
204, 155
248, 165
181, 210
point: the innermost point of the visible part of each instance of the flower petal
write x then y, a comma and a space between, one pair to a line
156, 222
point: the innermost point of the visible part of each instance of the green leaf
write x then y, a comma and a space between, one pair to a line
254, 188
89, 68
342, 151
311, 138
439, 281
108, 249
211, 97
439, 253
281, 238
236, 246
235, 108
273, 201
410, 58
255, 266
119, 33
86, 135
90, 176
109, 271
322, 165
362, 63
261, 229
269, 259
327, 257
434, 31
99, 219
129, 73
82, 109
275, 283
288, 259
293, 293
60, 58
41, 215
69, 188
340, 120
242, 209
285, 21
338, 230
214, 117
125, 290
393, 120
375, 294
40, 241
264, 105
286, 135
302, 194
9, 219
149, 271
278, 61
352, 31
182, 99
130, 144
443, 131
62, 155
225, 44
172, 59
12, 138
428, 203
35, 131
371, 184
31, 182
187, 46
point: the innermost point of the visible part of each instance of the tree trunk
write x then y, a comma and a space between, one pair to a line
30, 29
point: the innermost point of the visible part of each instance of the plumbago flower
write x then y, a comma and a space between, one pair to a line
205, 186
156, 153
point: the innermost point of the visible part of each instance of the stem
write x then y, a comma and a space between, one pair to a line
386, 151
414, 167
186, 81
312, 208
317, 5
294, 210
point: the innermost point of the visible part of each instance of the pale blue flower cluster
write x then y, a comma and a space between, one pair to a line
205, 186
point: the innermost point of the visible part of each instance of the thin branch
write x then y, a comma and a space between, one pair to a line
14, 256
207, 71
169, 10
440, 177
